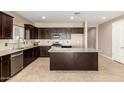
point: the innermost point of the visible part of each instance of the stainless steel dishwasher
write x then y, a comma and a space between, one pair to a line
16, 62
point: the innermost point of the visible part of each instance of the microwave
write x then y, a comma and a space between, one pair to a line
56, 35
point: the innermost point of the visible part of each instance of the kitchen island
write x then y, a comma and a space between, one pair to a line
73, 59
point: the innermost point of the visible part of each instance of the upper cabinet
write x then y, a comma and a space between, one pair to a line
31, 32
77, 30
46, 33
6, 26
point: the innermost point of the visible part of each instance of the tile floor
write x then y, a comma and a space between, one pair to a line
38, 71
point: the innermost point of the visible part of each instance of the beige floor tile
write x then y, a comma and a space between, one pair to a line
38, 71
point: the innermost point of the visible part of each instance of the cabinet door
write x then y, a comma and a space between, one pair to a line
41, 33
7, 27
27, 57
35, 33
42, 51
48, 33
5, 68
32, 32
46, 51
77, 30
36, 52
0, 25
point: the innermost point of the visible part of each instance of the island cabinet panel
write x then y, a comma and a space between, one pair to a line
6, 26
5, 68
74, 61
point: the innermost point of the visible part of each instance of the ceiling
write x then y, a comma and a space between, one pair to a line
92, 17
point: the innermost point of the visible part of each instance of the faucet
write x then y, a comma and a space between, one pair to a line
19, 41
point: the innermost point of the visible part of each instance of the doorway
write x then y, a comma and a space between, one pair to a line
118, 41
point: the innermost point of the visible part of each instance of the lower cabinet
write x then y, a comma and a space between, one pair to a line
25, 58
44, 51
30, 55
4, 68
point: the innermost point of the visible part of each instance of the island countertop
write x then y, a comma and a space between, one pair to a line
53, 50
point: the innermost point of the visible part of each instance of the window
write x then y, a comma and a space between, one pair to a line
18, 32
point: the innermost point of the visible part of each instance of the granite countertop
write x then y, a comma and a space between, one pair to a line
72, 50
51, 45
10, 51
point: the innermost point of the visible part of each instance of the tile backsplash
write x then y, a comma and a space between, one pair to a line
46, 42
10, 44
2, 44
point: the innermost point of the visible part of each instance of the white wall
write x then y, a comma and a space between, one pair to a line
92, 37
105, 36
18, 20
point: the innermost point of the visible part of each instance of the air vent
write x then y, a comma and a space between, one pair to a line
77, 13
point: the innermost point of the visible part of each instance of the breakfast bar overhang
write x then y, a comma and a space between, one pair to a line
73, 59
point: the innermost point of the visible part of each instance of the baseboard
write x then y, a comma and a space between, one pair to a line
105, 56
110, 58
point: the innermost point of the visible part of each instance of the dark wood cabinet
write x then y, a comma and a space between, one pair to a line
26, 57
74, 61
77, 30
32, 31
30, 55
6, 26
0, 69
46, 33
1, 29
35, 33
41, 33
5, 67
44, 51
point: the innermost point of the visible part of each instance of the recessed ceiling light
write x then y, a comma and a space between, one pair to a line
71, 17
43, 17
103, 18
